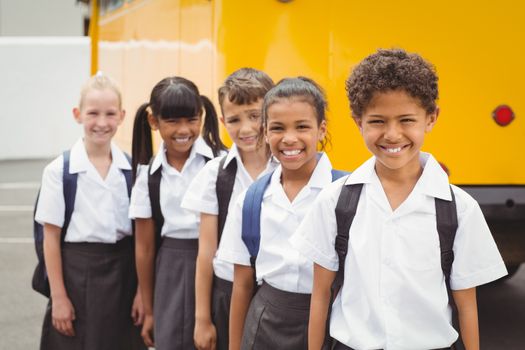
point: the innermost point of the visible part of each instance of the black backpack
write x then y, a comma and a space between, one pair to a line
40, 282
447, 224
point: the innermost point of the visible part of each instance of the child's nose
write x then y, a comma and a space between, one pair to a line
183, 127
393, 132
289, 137
102, 120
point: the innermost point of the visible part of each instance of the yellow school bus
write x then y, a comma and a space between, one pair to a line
478, 48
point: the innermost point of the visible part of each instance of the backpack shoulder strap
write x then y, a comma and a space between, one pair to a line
69, 183
337, 174
154, 198
224, 188
127, 175
251, 215
344, 214
447, 225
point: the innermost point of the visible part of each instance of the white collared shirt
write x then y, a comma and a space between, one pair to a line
201, 196
101, 205
178, 222
278, 263
394, 294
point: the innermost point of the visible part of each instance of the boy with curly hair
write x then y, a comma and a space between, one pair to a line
395, 292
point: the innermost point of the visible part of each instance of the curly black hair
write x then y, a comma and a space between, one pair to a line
392, 69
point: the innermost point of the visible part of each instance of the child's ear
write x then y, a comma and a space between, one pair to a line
322, 130
359, 122
431, 120
122, 116
153, 122
76, 115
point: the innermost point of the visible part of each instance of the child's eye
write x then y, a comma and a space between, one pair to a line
232, 120
255, 116
194, 119
303, 126
375, 121
407, 120
275, 128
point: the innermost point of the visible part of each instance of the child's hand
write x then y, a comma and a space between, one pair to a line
63, 315
147, 331
137, 310
205, 335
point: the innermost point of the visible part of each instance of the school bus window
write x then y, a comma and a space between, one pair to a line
111, 5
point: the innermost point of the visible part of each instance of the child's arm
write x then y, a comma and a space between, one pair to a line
145, 256
62, 313
468, 317
320, 302
242, 293
205, 335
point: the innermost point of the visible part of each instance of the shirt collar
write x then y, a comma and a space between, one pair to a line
199, 147
363, 174
233, 153
119, 158
79, 160
432, 182
321, 176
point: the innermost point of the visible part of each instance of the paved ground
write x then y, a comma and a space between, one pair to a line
501, 304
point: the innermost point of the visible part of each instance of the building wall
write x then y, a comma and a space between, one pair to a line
42, 18
41, 82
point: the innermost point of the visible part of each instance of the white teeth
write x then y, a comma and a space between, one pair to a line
292, 153
182, 139
393, 150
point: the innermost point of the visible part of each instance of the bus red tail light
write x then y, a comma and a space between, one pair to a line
503, 115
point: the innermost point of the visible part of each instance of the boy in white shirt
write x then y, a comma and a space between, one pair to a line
394, 295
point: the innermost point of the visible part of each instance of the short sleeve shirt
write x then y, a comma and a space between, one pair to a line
201, 196
101, 205
178, 222
394, 294
278, 263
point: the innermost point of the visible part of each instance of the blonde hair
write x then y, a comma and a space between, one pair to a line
100, 81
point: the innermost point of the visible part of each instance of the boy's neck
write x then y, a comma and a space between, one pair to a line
255, 161
398, 183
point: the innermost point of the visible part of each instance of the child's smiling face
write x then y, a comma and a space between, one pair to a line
100, 114
393, 126
243, 124
293, 132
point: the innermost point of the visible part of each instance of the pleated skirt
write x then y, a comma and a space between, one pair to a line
276, 319
174, 297
100, 281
